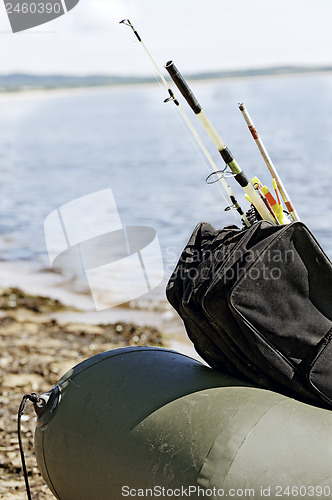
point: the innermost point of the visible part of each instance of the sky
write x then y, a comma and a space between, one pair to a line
199, 35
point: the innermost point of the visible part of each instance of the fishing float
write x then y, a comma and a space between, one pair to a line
273, 171
172, 97
224, 151
273, 203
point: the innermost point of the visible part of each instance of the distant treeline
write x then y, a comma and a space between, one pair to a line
21, 81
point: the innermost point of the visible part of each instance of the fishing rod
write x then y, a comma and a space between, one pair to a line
171, 97
269, 163
225, 153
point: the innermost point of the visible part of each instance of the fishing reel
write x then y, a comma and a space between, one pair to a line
252, 216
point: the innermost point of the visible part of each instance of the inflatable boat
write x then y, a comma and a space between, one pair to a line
151, 422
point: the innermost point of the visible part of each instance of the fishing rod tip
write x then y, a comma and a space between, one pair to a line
126, 22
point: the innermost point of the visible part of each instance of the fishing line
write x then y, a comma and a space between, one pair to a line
161, 79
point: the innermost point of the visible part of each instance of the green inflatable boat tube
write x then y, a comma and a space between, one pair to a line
150, 422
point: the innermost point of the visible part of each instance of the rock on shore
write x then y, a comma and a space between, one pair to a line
36, 350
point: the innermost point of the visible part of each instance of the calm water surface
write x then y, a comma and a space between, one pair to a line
55, 147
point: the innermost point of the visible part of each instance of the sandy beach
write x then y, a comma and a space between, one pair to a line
44, 331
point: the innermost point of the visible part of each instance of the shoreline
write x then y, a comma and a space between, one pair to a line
39, 91
77, 304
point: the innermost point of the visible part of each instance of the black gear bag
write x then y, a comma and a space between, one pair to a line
257, 303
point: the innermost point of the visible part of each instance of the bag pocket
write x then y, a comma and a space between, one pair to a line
320, 374
284, 294
283, 304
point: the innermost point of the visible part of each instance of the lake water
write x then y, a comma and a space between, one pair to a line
58, 146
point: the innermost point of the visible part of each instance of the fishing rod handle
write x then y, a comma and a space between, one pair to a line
196, 107
183, 87
211, 131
